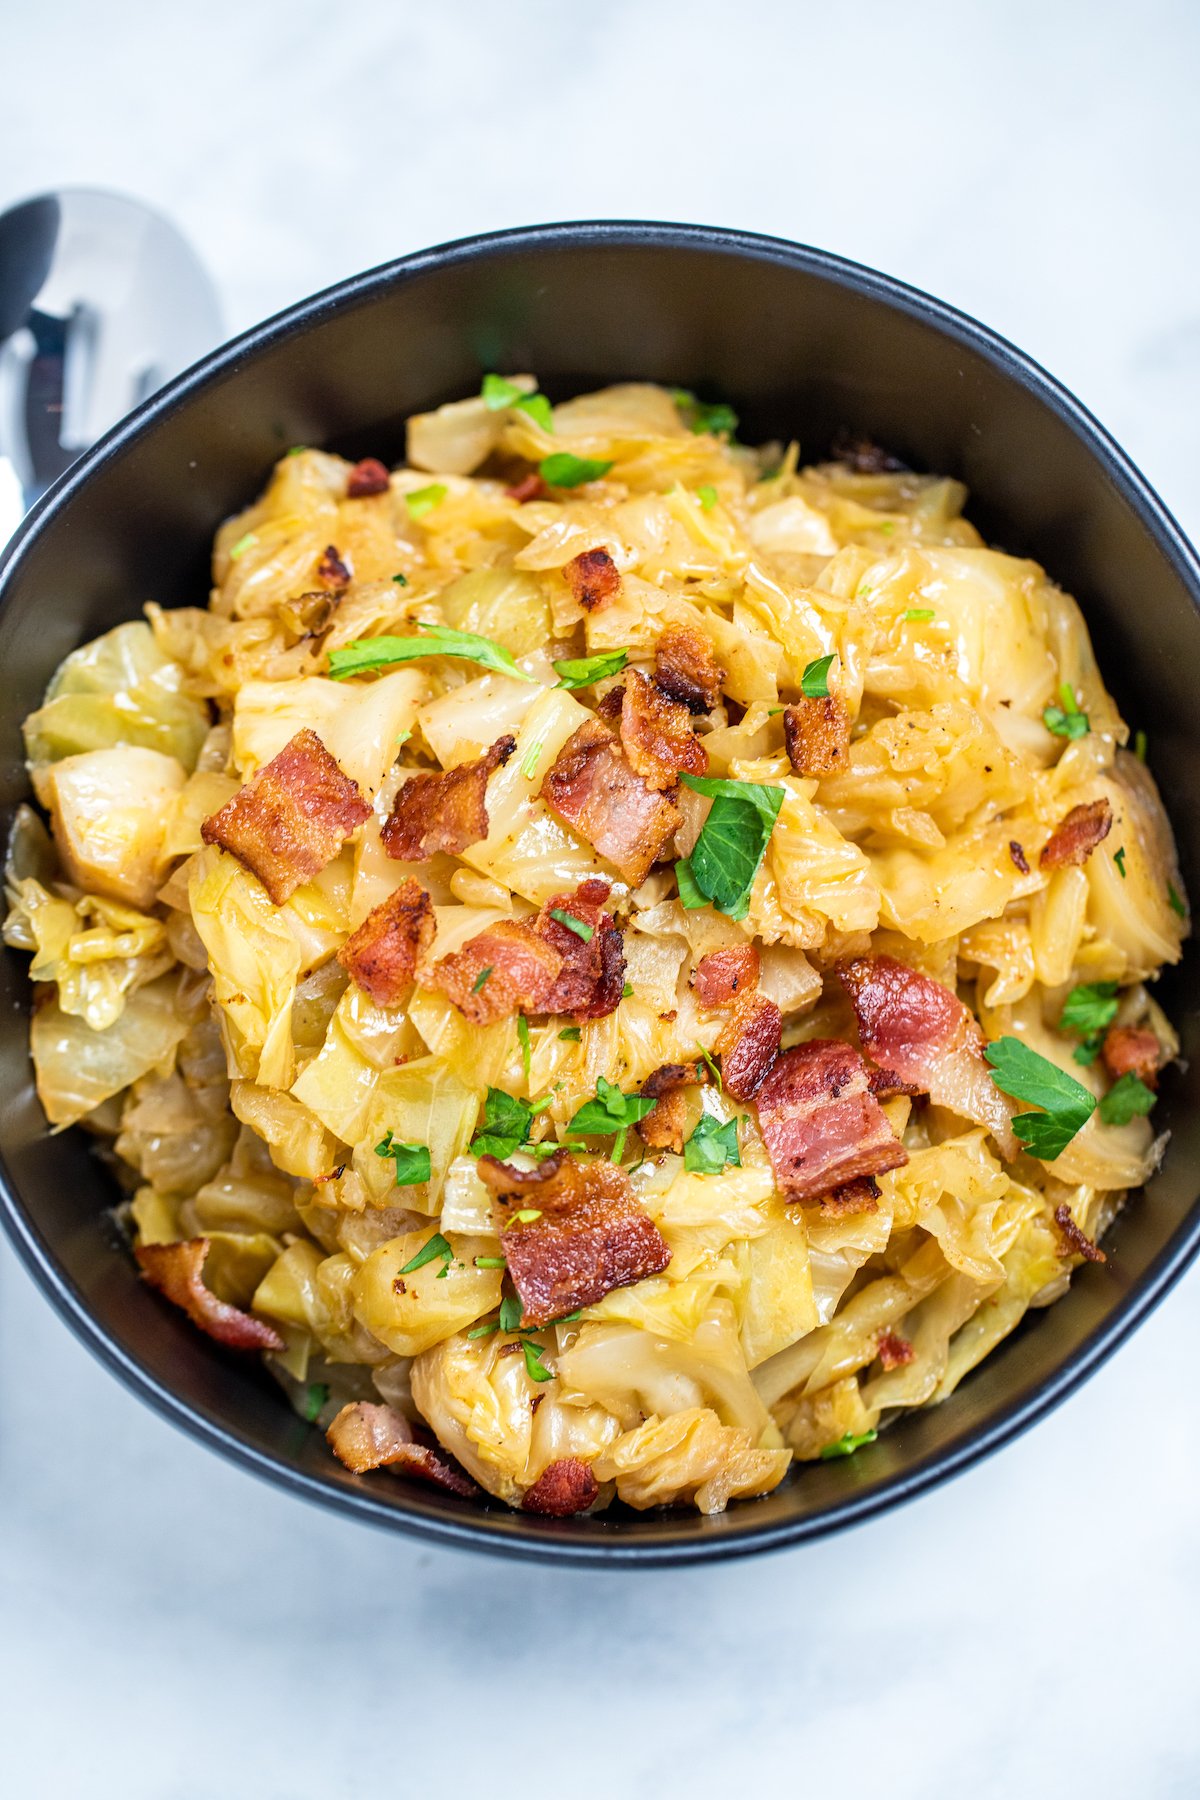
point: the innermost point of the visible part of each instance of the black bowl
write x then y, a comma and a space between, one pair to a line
803, 344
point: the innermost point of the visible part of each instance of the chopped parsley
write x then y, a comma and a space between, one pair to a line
712, 1146
814, 683
436, 1248
481, 979
1174, 901
582, 671
731, 845
498, 394
610, 1111
315, 1397
1119, 859
528, 1215
411, 1160
490, 1262
562, 470
847, 1445
1092, 1006
707, 496
532, 758
523, 1040
581, 930
627, 991
478, 1331
510, 1313
1066, 720
243, 544
422, 500
400, 580
534, 1366
718, 417
570, 1034
919, 615
1067, 1105
1128, 1098
712, 1067
507, 1123
431, 640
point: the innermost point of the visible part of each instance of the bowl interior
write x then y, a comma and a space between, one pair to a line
802, 345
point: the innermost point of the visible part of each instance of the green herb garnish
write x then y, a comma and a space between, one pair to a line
430, 1252
731, 845
432, 640
919, 615
490, 1262
507, 1123
527, 1215
1128, 1098
814, 683
478, 1331
1119, 859
582, 671
562, 470
411, 1160
690, 896
1174, 901
610, 1111
712, 1067
711, 1146
1090, 1007
1067, 1105
422, 500
847, 1445
1066, 720
1139, 745
534, 1366
510, 1313
481, 979
570, 1034
400, 580
627, 991
581, 930
699, 415
707, 496
523, 1040
315, 1397
498, 394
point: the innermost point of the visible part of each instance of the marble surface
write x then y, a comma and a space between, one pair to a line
169, 1628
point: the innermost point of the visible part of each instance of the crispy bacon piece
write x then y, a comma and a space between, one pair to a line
853, 1197
592, 978
562, 1488
863, 454
885, 1086
369, 1436
366, 478
749, 1044
657, 735
446, 810
593, 579
817, 735
686, 669
530, 487
663, 1128
291, 818
332, 572
1076, 1240
589, 1237
724, 974
1019, 858
521, 966
1072, 842
822, 1126
176, 1270
923, 1037
894, 1351
1132, 1050
592, 786
381, 955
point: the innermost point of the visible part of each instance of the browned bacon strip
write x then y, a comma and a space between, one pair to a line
593, 787
1075, 1239
1073, 841
593, 579
332, 571
749, 1044
506, 969
663, 1128
921, 1035
563, 1488
592, 978
822, 1126
724, 974
853, 1197
368, 1436
366, 478
817, 735
588, 1237
381, 955
894, 1351
686, 669
657, 735
1132, 1050
176, 1270
291, 818
444, 811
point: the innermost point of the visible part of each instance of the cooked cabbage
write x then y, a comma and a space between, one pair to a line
119, 689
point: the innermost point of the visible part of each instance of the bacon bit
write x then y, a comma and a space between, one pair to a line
1020, 860
894, 1351
593, 787
663, 1129
861, 1196
723, 974
817, 735
524, 969
822, 1126
657, 735
561, 1489
291, 818
333, 1175
609, 705
176, 1270
592, 978
332, 572
863, 454
381, 955
921, 1035
885, 1086
1077, 1242
1132, 1050
593, 579
446, 810
686, 670
366, 478
749, 1044
590, 1237
530, 487
367, 1436
1072, 842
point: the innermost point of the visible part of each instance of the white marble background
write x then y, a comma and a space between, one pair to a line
172, 1630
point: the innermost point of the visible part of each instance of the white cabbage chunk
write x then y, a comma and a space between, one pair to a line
77, 1069
110, 810
359, 722
690, 1456
411, 1308
118, 690
255, 963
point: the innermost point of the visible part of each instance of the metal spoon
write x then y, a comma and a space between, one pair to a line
101, 302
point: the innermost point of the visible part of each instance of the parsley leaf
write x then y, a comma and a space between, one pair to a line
1119, 859
490, 1262
422, 500
430, 1252
507, 1123
1128, 1098
1021, 1072
497, 393
699, 415
523, 1040
510, 1313
539, 410
534, 1366
707, 496
562, 470
814, 683
581, 671
1174, 901
570, 1034
316, 1394
431, 640
1090, 1007
1066, 720
731, 845
412, 1160
847, 1445
711, 1146
919, 615
1086, 1053
611, 1111
578, 926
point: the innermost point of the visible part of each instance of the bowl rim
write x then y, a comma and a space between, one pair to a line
526, 1535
